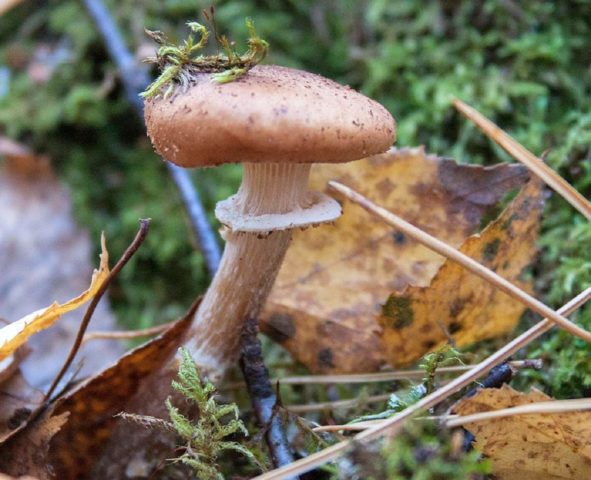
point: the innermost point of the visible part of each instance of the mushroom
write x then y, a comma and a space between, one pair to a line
277, 121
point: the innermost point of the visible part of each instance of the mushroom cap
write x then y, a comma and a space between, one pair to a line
270, 114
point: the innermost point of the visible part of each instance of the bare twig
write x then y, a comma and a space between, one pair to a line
125, 334
135, 78
451, 421
262, 396
391, 426
468, 263
347, 403
137, 241
498, 376
386, 376
520, 153
555, 406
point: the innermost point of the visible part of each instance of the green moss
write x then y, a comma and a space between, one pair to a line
420, 452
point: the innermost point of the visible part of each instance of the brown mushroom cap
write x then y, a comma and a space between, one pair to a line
271, 114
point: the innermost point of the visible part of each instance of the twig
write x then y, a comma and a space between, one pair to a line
386, 376
137, 241
468, 263
135, 78
520, 153
125, 334
262, 396
391, 426
498, 376
555, 406
348, 403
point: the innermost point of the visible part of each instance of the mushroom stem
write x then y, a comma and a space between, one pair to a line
250, 262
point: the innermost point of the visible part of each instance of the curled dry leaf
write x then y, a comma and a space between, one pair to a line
530, 447
17, 333
328, 295
459, 304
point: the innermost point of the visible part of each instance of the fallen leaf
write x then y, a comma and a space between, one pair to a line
7, 477
27, 455
459, 304
533, 446
107, 446
17, 401
328, 295
45, 257
16, 334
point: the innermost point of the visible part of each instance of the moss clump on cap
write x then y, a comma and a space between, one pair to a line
178, 63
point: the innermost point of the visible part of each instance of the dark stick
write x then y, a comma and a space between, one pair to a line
137, 241
498, 376
262, 396
135, 78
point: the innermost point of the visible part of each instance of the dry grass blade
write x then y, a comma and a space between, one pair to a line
349, 403
392, 425
468, 263
557, 406
520, 153
125, 334
388, 376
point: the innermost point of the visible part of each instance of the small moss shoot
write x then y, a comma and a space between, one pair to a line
204, 439
178, 63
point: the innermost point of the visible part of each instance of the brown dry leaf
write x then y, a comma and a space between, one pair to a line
107, 446
28, 455
17, 333
45, 257
460, 304
328, 295
26, 477
530, 447
17, 401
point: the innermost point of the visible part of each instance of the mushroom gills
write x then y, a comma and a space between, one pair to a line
275, 196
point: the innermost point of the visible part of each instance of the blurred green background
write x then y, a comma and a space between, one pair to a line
525, 64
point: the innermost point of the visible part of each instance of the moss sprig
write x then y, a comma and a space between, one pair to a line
203, 439
178, 63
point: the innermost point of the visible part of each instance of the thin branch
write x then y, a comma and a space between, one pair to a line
262, 395
348, 403
520, 153
353, 378
498, 376
452, 421
135, 78
125, 334
387, 376
468, 263
391, 426
555, 406
137, 241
